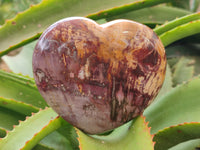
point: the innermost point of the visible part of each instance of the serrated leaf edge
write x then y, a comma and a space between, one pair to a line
147, 128
44, 130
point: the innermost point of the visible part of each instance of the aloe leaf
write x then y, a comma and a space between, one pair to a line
183, 70
179, 105
70, 135
174, 135
134, 137
56, 141
188, 145
2, 132
180, 32
63, 137
177, 22
153, 15
11, 7
126, 8
167, 85
22, 62
42, 147
29, 132
21, 88
185, 4
9, 118
187, 50
17, 106
27, 26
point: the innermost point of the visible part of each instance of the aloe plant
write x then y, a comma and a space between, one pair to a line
171, 122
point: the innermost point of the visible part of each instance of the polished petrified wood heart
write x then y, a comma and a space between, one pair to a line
97, 77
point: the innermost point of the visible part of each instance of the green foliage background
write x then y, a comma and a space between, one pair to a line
171, 122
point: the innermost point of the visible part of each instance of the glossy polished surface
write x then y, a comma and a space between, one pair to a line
97, 77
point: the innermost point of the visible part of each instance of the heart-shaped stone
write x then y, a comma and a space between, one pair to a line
97, 77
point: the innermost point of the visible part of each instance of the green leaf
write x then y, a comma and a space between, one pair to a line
186, 50
22, 62
189, 145
9, 118
185, 4
29, 132
134, 137
20, 88
70, 135
57, 141
174, 135
183, 70
2, 132
42, 147
180, 32
179, 105
17, 106
62, 138
176, 22
27, 26
167, 85
153, 15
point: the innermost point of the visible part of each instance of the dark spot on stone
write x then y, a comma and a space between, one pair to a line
42, 79
151, 59
140, 99
43, 85
138, 71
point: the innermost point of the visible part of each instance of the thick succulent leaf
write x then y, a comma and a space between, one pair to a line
180, 32
2, 132
182, 4
17, 106
183, 70
9, 8
153, 15
63, 137
42, 147
174, 135
22, 62
27, 26
9, 118
29, 132
70, 135
188, 51
176, 22
167, 85
188, 145
179, 105
20, 88
132, 136
56, 141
